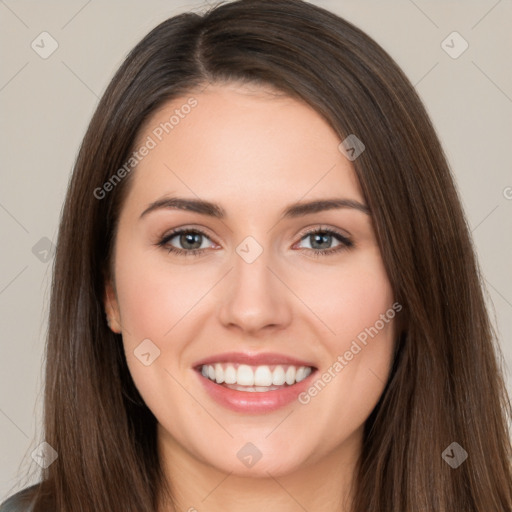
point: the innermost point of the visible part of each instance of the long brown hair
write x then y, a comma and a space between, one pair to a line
445, 385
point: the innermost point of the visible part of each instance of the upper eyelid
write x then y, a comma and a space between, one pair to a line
178, 231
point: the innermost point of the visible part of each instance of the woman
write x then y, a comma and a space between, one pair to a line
265, 292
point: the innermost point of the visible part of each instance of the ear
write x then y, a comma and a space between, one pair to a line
112, 308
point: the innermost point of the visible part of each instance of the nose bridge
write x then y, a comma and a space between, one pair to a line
254, 297
251, 272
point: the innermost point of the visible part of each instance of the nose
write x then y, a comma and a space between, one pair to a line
254, 298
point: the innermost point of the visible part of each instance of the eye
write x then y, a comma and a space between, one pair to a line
190, 239
320, 241
192, 242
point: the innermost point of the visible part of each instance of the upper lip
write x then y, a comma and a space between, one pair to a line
265, 358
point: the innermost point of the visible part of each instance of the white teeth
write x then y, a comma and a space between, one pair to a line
252, 389
245, 375
300, 374
262, 376
278, 376
229, 375
255, 378
290, 375
219, 374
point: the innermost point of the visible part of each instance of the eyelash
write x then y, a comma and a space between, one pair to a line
345, 244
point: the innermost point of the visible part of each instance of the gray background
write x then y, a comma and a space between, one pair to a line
46, 105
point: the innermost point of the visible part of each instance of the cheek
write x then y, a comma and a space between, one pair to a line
358, 309
155, 296
348, 298
155, 301
160, 302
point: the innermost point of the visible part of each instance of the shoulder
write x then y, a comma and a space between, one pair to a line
21, 501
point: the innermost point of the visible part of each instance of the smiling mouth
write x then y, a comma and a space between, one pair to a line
254, 379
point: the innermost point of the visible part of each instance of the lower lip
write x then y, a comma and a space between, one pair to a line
255, 402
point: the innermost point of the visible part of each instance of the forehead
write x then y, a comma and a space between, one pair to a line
241, 144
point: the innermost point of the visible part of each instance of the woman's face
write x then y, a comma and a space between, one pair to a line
288, 308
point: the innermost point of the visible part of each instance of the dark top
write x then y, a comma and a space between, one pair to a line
19, 502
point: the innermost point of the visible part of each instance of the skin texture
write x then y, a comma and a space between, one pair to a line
254, 153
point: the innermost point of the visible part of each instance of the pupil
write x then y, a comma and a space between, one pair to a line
325, 238
192, 239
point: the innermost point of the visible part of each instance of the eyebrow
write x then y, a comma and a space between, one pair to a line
295, 210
